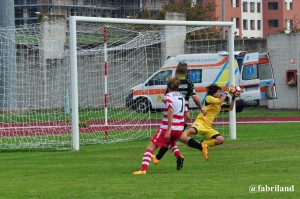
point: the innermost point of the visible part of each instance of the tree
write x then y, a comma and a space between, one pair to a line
146, 14
201, 12
198, 12
294, 28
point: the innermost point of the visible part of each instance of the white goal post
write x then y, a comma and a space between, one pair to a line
73, 58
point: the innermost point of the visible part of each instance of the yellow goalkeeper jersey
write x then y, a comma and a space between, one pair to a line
213, 109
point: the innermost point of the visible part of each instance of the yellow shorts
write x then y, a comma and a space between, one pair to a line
207, 131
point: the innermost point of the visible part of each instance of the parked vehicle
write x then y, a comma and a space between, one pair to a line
253, 72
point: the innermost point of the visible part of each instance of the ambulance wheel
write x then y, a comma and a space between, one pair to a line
142, 105
239, 109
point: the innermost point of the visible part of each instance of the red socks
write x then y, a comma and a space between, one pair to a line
146, 159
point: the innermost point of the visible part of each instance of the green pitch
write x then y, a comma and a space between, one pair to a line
266, 155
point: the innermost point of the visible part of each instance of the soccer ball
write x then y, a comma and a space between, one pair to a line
235, 91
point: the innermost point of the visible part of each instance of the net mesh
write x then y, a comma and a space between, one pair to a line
35, 97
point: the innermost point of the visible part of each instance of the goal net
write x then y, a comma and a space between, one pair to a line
70, 83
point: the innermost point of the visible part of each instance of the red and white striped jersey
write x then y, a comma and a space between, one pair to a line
177, 102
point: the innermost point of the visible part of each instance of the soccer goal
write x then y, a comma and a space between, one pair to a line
68, 82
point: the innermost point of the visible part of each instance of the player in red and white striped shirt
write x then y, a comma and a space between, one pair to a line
175, 113
175, 101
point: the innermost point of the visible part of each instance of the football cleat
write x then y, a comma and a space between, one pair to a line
205, 151
179, 162
139, 172
155, 161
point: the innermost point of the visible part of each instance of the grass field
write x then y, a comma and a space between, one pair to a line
264, 154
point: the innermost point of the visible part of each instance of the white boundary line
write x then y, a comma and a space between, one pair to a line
155, 124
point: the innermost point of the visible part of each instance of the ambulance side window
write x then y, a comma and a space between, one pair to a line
265, 72
160, 78
250, 72
195, 75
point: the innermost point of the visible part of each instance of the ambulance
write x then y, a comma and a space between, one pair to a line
253, 72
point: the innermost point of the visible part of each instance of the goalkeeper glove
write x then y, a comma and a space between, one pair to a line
230, 89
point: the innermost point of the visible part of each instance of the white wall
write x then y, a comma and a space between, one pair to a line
175, 35
283, 48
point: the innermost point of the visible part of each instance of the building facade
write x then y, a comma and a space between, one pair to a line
253, 18
258, 18
26, 10
280, 15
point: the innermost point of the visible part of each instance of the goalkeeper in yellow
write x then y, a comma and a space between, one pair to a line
203, 124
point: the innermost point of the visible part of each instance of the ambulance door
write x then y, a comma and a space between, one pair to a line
266, 77
249, 79
257, 77
156, 86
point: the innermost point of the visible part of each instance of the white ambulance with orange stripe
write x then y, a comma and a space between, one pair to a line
253, 72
